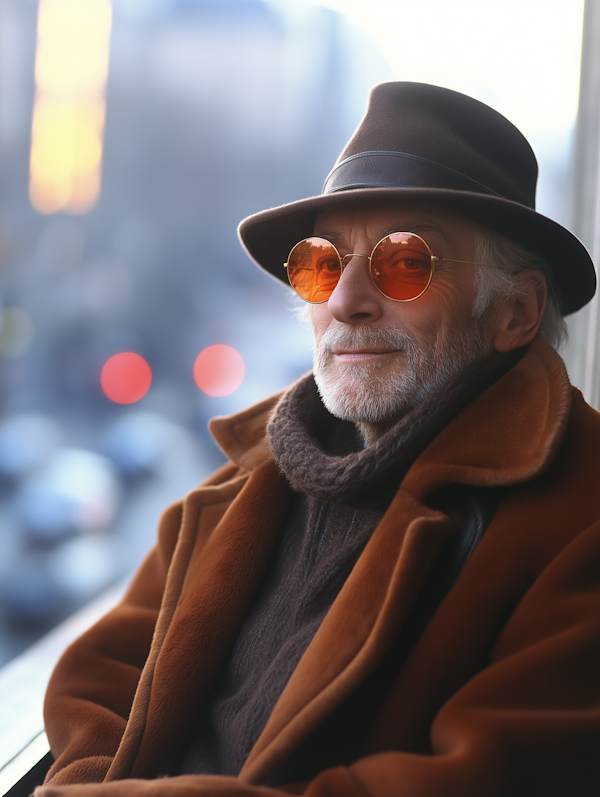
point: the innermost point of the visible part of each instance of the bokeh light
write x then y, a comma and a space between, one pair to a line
71, 68
125, 377
219, 370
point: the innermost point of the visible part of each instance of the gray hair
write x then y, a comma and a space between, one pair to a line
497, 284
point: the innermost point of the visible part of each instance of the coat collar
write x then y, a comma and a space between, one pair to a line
241, 436
507, 435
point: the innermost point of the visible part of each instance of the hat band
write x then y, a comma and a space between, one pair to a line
399, 170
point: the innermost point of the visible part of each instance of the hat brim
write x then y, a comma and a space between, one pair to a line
269, 236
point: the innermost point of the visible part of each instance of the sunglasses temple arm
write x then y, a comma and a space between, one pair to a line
456, 260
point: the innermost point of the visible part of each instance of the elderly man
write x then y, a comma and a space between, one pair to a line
393, 586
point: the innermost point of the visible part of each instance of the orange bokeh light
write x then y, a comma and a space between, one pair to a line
219, 370
71, 68
125, 377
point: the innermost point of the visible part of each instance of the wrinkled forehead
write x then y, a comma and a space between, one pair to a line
377, 220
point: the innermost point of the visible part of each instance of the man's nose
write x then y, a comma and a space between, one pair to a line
355, 299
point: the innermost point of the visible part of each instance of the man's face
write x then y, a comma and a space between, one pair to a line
375, 358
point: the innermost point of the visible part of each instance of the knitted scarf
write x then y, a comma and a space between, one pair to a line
323, 457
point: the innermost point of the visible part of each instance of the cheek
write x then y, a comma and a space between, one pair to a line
445, 306
455, 295
320, 318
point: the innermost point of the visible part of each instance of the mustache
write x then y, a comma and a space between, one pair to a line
365, 337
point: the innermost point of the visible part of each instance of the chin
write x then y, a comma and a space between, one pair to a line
365, 397
369, 393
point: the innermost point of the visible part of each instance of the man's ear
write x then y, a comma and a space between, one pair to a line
518, 318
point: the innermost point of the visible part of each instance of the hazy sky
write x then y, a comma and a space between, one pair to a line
521, 56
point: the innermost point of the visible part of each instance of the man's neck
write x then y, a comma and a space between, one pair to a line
371, 432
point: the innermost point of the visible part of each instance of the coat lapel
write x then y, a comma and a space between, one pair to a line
207, 595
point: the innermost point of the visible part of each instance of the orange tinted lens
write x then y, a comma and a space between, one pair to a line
401, 266
314, 269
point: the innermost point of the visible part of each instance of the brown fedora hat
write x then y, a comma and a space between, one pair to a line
423, 142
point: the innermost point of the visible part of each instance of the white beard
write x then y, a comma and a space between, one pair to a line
372, 394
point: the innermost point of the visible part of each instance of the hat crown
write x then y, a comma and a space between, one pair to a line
438, 126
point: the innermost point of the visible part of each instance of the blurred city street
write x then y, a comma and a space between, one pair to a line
134, 137
211, 110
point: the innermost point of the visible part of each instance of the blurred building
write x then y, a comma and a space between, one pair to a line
214, 109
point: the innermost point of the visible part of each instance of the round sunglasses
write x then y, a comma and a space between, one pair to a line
401, 267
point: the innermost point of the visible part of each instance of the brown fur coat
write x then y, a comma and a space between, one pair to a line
501, 694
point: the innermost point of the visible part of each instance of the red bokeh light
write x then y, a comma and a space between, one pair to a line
125, 377
219, 370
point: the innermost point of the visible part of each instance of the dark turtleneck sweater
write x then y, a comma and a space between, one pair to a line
342, 492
